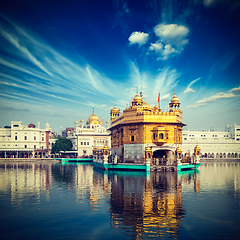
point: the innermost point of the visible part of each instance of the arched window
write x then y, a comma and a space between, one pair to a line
161, 136
154, 136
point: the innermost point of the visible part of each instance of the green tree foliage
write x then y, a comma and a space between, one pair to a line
62, 144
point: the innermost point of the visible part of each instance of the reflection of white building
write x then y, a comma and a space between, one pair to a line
21, 181
214, 144
24, 141
89, 136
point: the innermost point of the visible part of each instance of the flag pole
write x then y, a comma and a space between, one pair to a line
159, 101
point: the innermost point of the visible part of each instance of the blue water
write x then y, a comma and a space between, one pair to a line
42, 200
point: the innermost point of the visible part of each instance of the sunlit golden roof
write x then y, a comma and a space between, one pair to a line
115, 109
146, 105
174, 99
137, 98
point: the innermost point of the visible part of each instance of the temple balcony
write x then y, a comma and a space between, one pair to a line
160, 135
159, 142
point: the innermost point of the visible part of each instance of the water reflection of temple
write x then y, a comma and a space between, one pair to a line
147, 206
140, 205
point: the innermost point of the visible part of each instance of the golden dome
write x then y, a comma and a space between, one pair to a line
93, 119
76, 122
115, 109
137, 98
82, 120
107, 121
146, 105
174, 99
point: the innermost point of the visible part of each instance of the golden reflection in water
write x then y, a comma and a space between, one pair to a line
140, 205
147, 207
150, 207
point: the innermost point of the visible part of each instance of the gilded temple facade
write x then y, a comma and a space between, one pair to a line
141, 126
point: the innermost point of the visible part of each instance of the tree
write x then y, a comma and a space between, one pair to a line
62, 144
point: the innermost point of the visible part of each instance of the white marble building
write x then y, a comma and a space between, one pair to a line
89, 136
24, 141
213, 144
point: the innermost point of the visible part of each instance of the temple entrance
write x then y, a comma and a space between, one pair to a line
160, 153
164, 155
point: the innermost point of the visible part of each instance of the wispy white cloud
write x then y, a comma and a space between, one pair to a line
189, 89
172, 33
12, 85
164, 82
172, 40
11, 96
167, 79
139, 38
15, 42
214, 98
58, 97
13, 66
235, 90
63, 78
31, 97
157, 47
165, 96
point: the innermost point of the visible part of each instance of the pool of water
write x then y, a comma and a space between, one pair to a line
42, 200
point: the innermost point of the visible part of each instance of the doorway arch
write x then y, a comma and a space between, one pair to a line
166, 154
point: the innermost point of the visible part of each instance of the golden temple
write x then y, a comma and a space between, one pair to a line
141, 126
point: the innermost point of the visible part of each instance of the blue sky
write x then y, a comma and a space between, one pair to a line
60, 58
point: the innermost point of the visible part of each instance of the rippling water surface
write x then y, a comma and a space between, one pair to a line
42, 200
